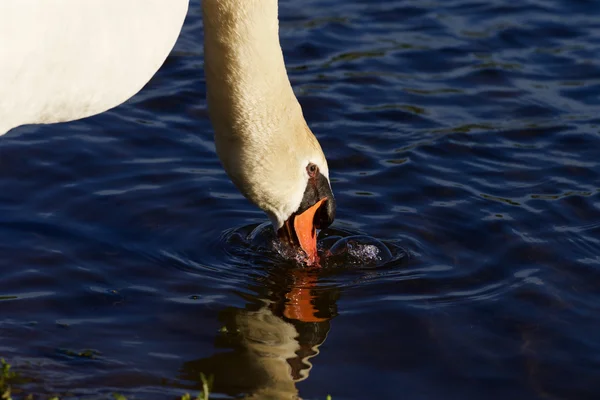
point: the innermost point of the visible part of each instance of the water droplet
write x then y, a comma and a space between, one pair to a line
363, 251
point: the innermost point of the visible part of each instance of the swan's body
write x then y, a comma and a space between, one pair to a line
62, 60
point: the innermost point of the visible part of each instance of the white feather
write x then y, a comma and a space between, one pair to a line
62, 60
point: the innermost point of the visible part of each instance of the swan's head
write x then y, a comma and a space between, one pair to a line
311, 205
285, 173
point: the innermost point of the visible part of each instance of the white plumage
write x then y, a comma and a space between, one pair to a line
62, 60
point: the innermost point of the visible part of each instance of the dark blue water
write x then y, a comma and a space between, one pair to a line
463, 135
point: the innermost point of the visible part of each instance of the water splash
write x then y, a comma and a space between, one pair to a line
337, 249
358, 250
263, 239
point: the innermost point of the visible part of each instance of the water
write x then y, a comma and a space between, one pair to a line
462, 138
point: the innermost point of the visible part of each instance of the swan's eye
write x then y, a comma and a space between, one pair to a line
312, 170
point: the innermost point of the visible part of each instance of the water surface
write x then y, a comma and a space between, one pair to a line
463, 135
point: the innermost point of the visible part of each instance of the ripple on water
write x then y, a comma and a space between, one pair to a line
462, 138
337, 248
375, 270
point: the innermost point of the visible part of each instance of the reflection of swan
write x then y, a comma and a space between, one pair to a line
270, 352
62, 60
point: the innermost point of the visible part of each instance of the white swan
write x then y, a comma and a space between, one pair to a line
62, 60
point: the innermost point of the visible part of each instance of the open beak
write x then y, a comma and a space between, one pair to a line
316, 211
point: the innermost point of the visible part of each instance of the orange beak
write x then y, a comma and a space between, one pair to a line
306, 232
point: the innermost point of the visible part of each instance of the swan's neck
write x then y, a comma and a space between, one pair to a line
247, 84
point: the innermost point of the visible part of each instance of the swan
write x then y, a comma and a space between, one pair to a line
62, 60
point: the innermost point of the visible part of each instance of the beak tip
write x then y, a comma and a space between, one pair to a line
306, 231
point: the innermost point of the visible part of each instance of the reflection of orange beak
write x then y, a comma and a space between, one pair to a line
304, 227
299, 301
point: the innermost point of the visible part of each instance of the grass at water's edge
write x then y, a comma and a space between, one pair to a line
10, 379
